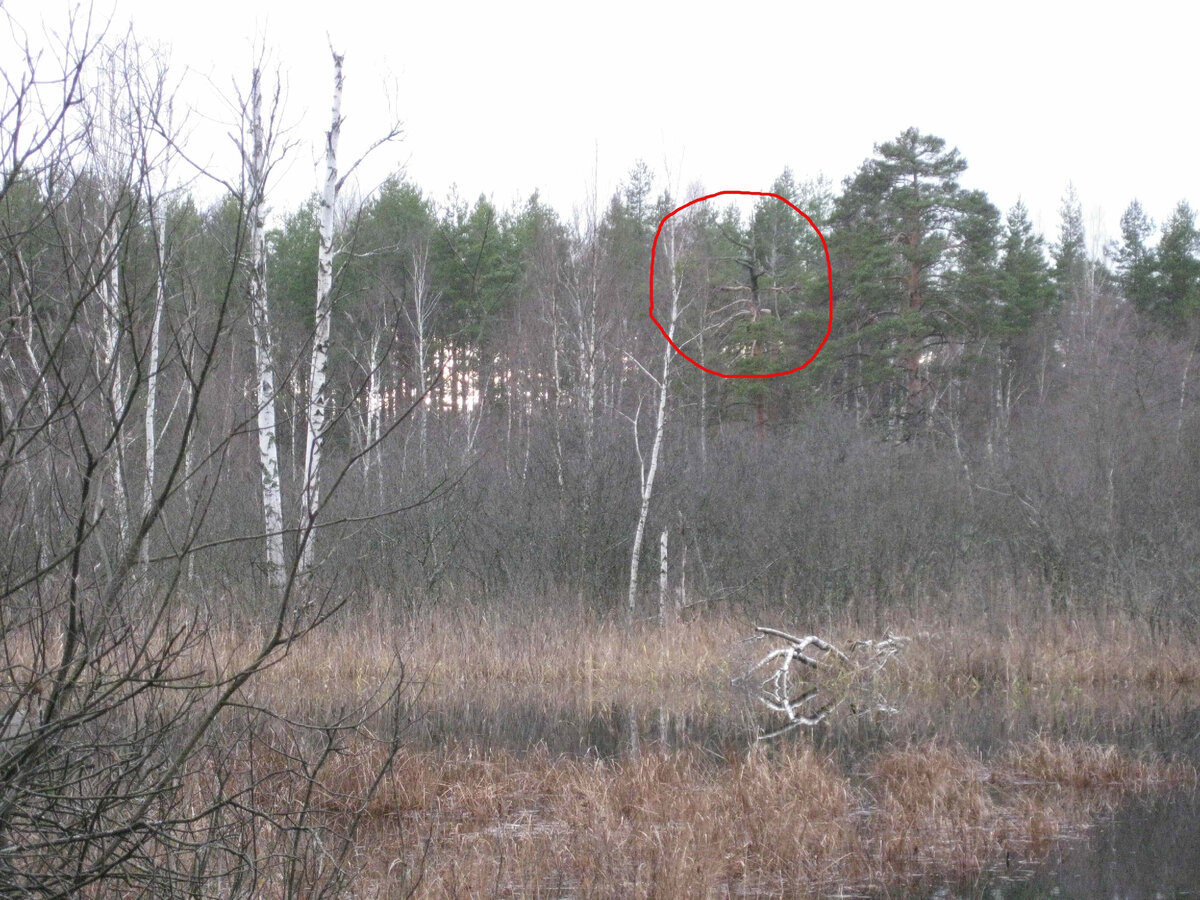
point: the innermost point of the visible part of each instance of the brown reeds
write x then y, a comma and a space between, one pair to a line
459, 816
785, 823
578, 657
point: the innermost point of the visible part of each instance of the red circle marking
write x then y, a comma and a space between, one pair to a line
828, 270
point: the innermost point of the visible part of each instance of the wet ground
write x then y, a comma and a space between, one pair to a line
1147, 847
1166, 724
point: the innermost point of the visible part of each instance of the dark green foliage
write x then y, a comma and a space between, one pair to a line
1177, 298
1026, 291
915, 258
399, 214
1136, 261
1070, 253
292, 267
625, 233
477, 267
398, 222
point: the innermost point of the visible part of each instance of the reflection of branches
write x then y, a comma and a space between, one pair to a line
827, 679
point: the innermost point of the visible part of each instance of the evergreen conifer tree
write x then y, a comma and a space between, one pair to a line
1136, 262
1178, 269
916, 253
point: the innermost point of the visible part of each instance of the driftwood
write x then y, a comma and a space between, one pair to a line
825, 680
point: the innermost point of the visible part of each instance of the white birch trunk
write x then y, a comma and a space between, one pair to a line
660, 421
556, 374
106, 145
681, 596
318, 400
1183, 383
113, 371
586, 337
264, 382
585, 295
420, 318
703, 412
160, 295
373, 465
663, 581
189, 451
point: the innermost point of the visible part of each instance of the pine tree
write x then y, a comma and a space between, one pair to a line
1025, 296
1070, 253
1026, 289
917, 268
1178, 269
1136, 262
779, 267
477, 266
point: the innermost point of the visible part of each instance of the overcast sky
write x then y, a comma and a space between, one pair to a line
506, 98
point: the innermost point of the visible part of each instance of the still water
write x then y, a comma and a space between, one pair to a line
1148, 847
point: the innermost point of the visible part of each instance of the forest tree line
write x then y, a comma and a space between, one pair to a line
995, 413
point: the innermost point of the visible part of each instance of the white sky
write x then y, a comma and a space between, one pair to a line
505, 98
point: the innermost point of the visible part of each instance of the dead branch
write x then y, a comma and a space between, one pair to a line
823, 684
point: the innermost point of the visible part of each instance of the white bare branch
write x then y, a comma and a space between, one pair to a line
826, 683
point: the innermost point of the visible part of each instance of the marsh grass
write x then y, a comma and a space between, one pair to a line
678, 823
463, 815
549, 657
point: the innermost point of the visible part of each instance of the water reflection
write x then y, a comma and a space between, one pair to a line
1149, 848
604, 731
726, 721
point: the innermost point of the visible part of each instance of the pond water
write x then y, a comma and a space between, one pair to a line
1166, 725
1148, 847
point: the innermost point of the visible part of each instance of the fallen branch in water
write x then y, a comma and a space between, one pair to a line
827, 680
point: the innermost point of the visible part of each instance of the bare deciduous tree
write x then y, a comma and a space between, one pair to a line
648, 469
318, 396
256, 165
135, 756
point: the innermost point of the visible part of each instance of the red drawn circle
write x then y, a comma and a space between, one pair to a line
828, 270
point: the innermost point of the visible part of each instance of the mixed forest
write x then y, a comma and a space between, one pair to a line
224, 424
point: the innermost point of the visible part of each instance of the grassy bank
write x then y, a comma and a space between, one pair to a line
450, 652
786, 823
895, 805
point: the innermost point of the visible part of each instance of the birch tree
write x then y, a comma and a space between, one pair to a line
109, 123
256, 169
419, 314
156, 198
318, 393
131, 741
159, 228
648, 469
587, 271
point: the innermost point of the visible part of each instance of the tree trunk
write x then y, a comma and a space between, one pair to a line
318, 400
264, 382
1183, 383
660, 421
152, 374
113, 374
419, 320
663, 581
703, 408
373, 463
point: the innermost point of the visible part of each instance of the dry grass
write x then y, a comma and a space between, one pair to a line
467, 819
786, 823
460, 814
1054, 653
463, 814
457, 654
